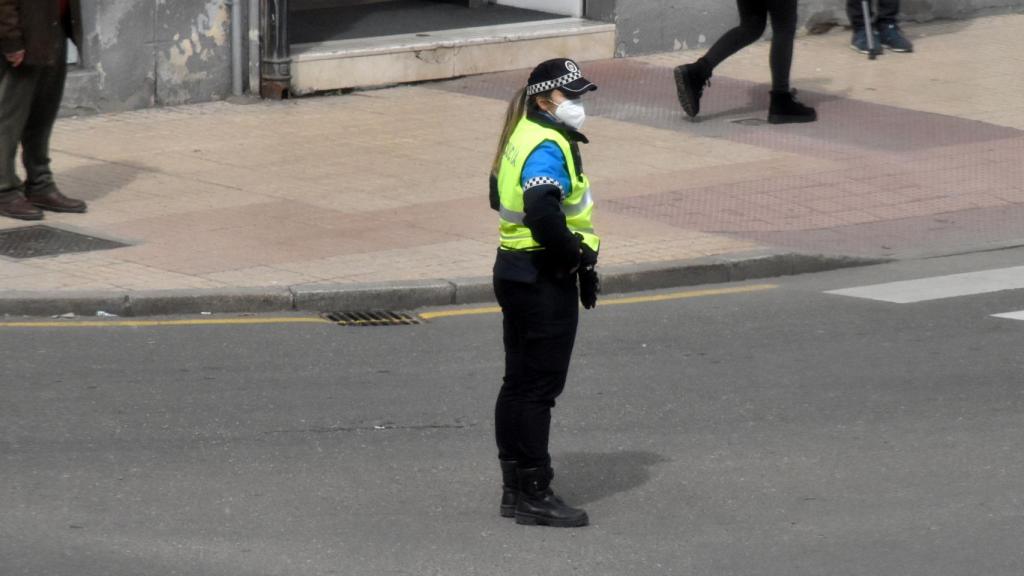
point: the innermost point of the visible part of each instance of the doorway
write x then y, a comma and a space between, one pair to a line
317, 21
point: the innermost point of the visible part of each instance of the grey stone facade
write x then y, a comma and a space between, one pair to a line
140, 53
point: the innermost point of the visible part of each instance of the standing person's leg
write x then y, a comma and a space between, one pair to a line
17, 86
508, 407
888, 11
888, 28
550, 338
691, 78
859, 40
542, 334
855, 12
784, 109
40, 188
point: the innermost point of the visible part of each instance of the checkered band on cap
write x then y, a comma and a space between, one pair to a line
552, 84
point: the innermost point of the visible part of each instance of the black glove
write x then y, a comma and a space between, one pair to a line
590, 282
588, 258
590, 286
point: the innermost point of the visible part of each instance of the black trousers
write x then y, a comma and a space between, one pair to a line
539, 323
888, 10
754, 16
29, 102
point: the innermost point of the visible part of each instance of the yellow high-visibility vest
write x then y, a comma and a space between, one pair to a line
577, 204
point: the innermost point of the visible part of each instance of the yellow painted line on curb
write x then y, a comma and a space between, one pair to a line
148, 323
463, 312
317, 320
618, 301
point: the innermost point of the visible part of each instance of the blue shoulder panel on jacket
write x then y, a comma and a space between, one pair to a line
546, 166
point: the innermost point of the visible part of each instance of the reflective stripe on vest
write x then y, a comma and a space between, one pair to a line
577, 205
569, 210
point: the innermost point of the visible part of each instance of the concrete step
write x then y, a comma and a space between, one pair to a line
367, 62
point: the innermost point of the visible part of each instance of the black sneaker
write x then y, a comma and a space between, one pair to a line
690, 82
893, 39
859, 42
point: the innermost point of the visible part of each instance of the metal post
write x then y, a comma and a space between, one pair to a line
870, 29
236, 47
254, 47
276, 69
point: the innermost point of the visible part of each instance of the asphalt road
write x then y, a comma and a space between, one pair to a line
782, 431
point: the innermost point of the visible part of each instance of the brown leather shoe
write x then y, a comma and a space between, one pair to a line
57, 202
18, 207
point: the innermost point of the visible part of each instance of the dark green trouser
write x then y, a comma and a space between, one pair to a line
29, 101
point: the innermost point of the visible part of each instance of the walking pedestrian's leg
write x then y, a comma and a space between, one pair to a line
753, 20
690, 79
783, 16
17, 86
784, 108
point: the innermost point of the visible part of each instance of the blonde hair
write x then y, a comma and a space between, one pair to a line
514, 113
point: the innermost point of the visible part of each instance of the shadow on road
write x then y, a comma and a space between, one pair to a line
586, 477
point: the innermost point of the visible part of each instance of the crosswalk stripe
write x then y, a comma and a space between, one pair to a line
1011, 315
938, 287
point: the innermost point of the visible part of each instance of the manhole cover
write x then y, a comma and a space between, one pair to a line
33, 241
749, 122
372, 318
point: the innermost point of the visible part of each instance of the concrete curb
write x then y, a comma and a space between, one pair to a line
409, 294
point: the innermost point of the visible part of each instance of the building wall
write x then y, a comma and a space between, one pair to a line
646, 26
140, 53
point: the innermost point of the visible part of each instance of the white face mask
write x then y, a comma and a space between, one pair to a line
571, 113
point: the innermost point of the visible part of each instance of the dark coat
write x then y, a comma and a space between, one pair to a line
34, 26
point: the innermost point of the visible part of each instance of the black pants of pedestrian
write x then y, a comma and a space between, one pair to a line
754, 16
29, 102
888, 10
540, 322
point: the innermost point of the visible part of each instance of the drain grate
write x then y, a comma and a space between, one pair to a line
34, 241
372, 318
749, 122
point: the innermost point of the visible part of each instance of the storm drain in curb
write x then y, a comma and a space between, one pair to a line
34, 241
372, 318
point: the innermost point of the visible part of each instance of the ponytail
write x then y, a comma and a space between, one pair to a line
515, 112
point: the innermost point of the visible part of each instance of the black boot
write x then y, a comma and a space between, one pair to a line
538, 505
509, 488
690, 82
785, 109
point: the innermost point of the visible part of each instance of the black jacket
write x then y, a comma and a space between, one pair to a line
36, 27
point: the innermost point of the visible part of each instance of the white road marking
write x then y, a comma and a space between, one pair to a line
938, 287
1011, 315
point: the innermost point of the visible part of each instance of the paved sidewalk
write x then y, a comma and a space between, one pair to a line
913, 155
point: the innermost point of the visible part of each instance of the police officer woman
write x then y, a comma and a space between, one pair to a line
547, 243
